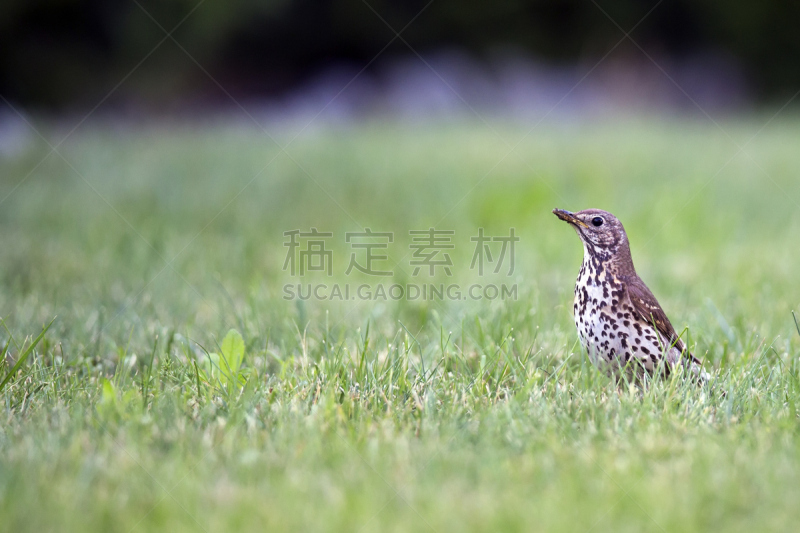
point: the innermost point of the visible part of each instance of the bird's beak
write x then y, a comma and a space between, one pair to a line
568, 217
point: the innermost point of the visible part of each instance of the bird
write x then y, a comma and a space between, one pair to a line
620, 323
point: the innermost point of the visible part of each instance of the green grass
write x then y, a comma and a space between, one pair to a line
152, 243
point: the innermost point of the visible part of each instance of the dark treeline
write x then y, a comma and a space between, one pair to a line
56, 53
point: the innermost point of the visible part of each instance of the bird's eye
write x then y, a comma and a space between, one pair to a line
597, 221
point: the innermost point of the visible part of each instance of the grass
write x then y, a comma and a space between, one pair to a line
132, 411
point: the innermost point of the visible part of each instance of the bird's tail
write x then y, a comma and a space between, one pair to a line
695, 369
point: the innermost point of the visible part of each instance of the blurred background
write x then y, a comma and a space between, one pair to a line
289, 55
153, 153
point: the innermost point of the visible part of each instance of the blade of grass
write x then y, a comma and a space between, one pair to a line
25, 354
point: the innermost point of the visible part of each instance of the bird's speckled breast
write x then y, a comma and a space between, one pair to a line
604, 318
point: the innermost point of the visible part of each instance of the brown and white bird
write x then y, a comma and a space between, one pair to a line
620, 323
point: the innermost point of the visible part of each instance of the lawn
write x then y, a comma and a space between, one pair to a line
146, 244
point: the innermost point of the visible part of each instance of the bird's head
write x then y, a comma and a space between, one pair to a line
600, 231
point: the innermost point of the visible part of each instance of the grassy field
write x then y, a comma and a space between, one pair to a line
148, 244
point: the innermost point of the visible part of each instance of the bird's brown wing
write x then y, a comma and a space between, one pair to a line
647, 307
